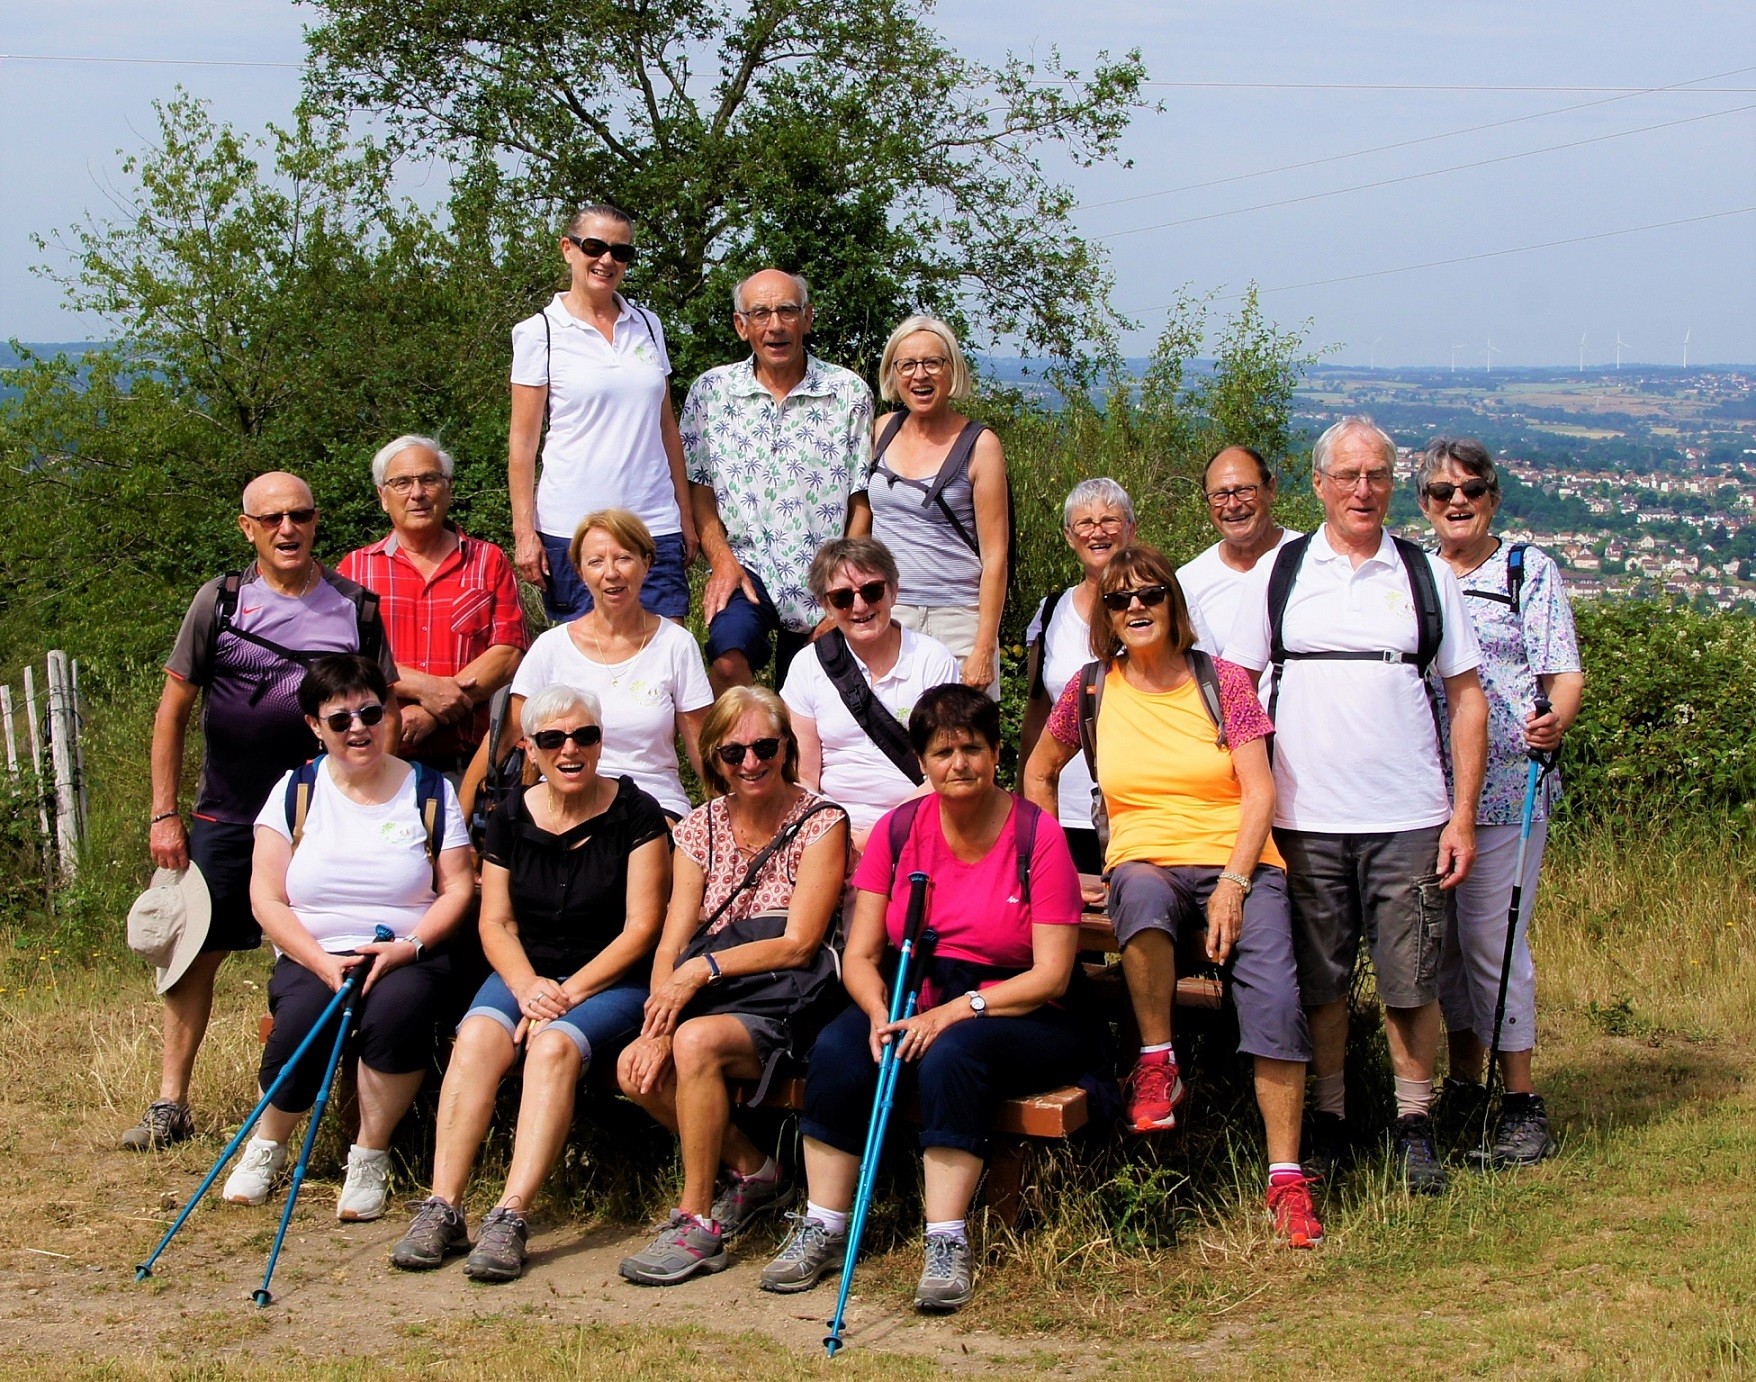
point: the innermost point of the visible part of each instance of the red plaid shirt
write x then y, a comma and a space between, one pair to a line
442, 623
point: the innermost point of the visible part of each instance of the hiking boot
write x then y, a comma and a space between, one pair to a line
367, 1187
743, 1198
1422, 1171
253, 1177
1523, 1138
807, 1256
1154, 1091
438, 1231
945, 1283
1329, 1145
685, 1247
164, 1124
1457, 1116
499, 1252
1295, 1221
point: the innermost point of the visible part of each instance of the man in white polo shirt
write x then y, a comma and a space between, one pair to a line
1372, 838
1239, 485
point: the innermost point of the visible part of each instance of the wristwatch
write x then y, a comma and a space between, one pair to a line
419, 945
713, 974
977, 1004
1237, 878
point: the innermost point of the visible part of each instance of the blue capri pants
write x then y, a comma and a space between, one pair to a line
599, 1027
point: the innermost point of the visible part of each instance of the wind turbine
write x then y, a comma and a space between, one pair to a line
1686, 335
1621, 345
1454, 350
1372, 355
1582, 352
1492, 351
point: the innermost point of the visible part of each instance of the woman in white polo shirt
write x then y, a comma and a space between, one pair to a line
855, 579
592, 370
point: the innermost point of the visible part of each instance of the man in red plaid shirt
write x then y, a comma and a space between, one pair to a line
450, 606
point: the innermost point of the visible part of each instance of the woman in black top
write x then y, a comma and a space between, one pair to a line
575, 873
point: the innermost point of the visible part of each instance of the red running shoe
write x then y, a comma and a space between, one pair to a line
1295, 1221
1154, 1091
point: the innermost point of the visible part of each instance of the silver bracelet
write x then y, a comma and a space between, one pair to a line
1237, 878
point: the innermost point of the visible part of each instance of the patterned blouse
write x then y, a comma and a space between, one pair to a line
705, 835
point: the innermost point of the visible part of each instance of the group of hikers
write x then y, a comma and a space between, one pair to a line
1289, 745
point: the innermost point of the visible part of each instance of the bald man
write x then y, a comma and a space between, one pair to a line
1239, 485
245, 642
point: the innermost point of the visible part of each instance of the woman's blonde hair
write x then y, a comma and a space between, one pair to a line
1131, 567
626, 528
960, 380
723, 718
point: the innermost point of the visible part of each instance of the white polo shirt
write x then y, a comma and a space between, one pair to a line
1214, 592
605, 447
1355, 750
1066, 648
856, 774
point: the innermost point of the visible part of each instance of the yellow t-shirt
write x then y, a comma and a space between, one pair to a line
1172, 793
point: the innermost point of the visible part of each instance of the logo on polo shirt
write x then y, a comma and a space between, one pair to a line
399, 832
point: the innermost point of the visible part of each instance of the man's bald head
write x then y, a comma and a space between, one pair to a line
277, 490
280, 519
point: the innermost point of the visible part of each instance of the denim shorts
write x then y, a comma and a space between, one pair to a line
599, 1027
665, 590
746, 628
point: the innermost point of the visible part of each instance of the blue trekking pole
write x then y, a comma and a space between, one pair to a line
261, 1294
905, 992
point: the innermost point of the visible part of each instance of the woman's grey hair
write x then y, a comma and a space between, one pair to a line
960, 379
799, 283
1466, 453
552, 702
861, 553
1098, 492
387, 454
1353, 422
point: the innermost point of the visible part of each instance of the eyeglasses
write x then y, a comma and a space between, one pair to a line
842, 597
932, 364
593, 248
549, 740
300, 517
1243, 494
1085, 527
339, 720
1350, 479
1152, 596
786, 314
1440, 491
733, 754
404, 484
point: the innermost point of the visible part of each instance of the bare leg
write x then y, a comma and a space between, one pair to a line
1328, 1037
1468, 1055
1280, 1095
1149, 965
952, 1176
831, 1175
383, 1101
1414, 1040
545, 1115
188, 1004
707, 1052
480, 1058
730, 669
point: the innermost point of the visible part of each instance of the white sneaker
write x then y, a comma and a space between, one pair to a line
254, 1176
364, 1192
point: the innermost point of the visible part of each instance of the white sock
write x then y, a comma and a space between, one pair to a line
769, 1170
950, 1228
834, 1221
265, 1142
1329, 1094
1284, 1168
1413, 1097
1156, 1047
357, 1153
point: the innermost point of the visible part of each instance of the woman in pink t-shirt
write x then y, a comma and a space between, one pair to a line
992, 1025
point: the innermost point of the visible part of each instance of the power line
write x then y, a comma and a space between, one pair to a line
1416, 177
143, 62
1395, 86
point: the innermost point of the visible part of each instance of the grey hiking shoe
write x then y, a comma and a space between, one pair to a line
743, 1198
1418, 1156
945, 1283
438, 1231
499, 1252
1523, 1139
809, 1255
681, 1250
164, 1124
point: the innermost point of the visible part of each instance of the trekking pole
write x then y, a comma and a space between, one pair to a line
904, 994
261, 1294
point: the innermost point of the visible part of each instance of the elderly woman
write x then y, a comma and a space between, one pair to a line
991, 1023
1097, 520
936, 497
645, 671
591, 369
575, 871
741, 976
342, 848
851, 694
1181, 748
1524, 624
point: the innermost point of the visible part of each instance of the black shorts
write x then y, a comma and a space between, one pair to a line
222, 850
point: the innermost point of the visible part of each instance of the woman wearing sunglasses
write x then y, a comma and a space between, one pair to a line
360, 856
1524, 623
1193, 873
591, 370
757, 877
854, 578
575, 871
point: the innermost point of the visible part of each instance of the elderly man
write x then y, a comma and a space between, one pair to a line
244, 647
1351, 620
1240, 504
776, 445
450, 606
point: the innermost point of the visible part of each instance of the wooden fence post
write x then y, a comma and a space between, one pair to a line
36, 751
11, 736
61, 732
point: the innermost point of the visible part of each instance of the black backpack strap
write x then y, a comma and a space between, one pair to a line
902, 825
885, 437
1429, 616
880, 726
1091, 699
1039, 648
763, 855
1026, 816
956, 463
548, 367
301, 786
225, 603
1207, 683
369, 620
1514, 579
430, 803
1280, 589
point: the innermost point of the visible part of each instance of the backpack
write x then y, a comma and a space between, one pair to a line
504, 778
368, 621
956, 462
1039, 646
874, 720
1025, 817
429, 803
1514, 579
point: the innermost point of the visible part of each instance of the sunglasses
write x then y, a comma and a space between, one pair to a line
1440, 491
733, 754
339, 720
549, 740
1151, 596
593, 248
300, 517
843, 597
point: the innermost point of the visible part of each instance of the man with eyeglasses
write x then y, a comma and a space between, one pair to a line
776, 447
1239, 485
1374, 839
244, 647
450, 605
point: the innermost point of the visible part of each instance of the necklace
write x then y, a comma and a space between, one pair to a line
626, 664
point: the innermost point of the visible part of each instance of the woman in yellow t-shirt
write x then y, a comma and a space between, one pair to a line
1189, 804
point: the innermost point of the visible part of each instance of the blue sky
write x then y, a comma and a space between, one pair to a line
1333, 81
